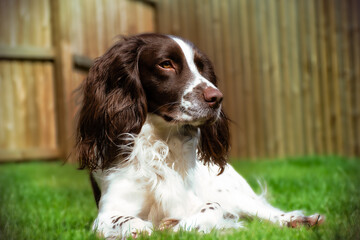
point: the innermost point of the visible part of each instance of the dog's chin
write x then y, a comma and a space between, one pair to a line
195, 120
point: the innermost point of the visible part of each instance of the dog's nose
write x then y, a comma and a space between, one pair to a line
213, 97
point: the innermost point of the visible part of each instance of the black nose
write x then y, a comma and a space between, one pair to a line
213, 97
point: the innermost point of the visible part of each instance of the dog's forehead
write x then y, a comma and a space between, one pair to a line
187, 49
170, 45
190, 52
159, 47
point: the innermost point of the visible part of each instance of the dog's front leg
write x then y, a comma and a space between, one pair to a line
232, 191
122, 206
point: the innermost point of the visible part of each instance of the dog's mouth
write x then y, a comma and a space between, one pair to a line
168, 118
193, 118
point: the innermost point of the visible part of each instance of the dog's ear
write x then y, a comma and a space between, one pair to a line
215, 142
113, 106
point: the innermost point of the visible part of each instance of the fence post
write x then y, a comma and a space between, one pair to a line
61, 22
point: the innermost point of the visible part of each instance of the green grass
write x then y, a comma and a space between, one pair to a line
46, 200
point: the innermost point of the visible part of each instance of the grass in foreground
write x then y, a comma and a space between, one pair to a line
46, 200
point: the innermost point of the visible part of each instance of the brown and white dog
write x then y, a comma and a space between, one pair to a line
153, 134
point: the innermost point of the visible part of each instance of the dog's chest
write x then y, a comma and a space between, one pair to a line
174, 196
172, 193
161, 173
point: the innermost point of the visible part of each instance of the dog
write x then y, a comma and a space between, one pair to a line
152, 132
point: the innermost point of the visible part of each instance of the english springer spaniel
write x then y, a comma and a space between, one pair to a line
153, 134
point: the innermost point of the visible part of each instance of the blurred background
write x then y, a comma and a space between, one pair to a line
289, 69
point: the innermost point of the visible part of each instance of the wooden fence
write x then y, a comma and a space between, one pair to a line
289, 70
45, 47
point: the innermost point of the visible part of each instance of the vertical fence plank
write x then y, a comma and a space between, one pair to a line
345, 72
247, 80
36, 35
208, 24
200, 19
140, 18
265, 68
337, 117
51, 134
355, 9
90, 20
163, 19
322, 44
19, 93
7, 126
8, 90
304, 84
31, 119
317, 129
63, 73
3, 25
99, 27
13, 30
175, 22
287, 77
108, 22
39, 101
149, 18
256, 82
46, 24
77, 28
191, 21
3, 113
24, 20
184, 20
132, 18
20, 16
235, 92
298, 116
276, 81
120, 19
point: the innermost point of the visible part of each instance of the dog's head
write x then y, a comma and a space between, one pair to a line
149, 73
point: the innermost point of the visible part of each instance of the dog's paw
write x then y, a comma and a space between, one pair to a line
168, 223
136, 226
121, 227
297, 219
211, 216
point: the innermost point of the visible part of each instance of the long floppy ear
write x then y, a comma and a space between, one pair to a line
214, 142
113, 105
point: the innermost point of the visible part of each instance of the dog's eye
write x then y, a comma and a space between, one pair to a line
166, 64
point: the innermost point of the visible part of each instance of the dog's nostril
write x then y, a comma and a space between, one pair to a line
212, 96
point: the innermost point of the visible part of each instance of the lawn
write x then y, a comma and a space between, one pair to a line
48, 200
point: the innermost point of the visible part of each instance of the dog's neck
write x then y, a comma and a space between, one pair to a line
181, 140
